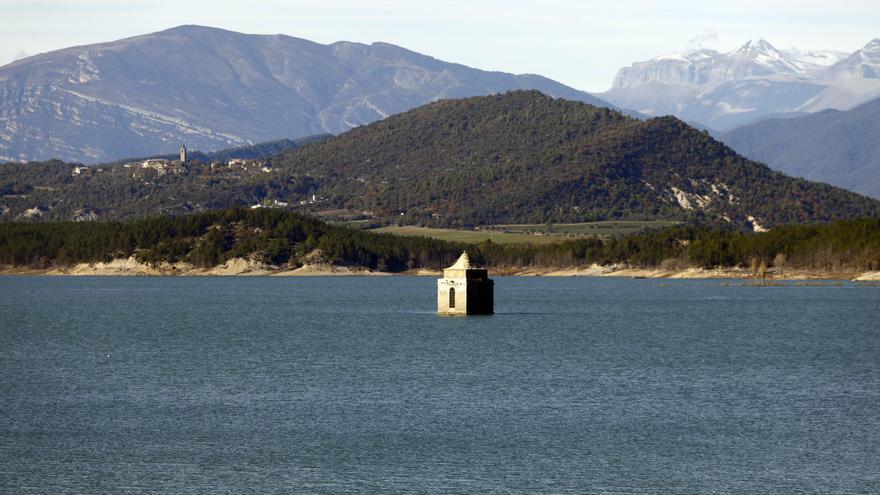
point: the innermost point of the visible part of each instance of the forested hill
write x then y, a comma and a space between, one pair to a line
526, 157
520, 157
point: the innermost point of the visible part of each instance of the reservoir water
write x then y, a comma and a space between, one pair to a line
354, 385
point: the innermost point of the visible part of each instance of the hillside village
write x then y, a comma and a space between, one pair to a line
164, 166
153, 173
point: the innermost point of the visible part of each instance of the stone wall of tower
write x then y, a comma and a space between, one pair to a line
474, 293
481, 297
443, 288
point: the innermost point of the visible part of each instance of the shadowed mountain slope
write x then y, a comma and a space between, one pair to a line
212, 89
840, 148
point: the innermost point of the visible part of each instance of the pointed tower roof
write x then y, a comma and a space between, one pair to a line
463, 263
463, 268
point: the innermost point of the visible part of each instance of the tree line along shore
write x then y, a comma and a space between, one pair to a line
279, 240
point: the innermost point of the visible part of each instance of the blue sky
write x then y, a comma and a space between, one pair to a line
581, 44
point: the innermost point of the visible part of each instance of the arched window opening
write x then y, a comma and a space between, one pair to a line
451, 298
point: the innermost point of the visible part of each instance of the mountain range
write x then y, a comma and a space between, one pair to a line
724, 90
211, 89
519, 157
838, 147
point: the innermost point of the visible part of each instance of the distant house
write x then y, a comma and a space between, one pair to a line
155, 163
314, 199
163, 166
270, 204
160, 165
82, 171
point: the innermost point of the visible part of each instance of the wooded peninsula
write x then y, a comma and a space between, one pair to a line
283, 240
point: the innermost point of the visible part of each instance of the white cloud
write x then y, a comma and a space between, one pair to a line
706, 39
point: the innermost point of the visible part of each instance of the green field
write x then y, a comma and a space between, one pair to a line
468, 235
602, 229
527, 233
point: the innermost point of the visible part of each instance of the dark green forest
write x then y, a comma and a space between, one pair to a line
524, 157
284, 238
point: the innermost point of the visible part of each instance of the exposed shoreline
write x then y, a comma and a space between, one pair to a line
234, 267
241, 267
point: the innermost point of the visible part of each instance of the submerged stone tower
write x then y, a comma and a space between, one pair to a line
465, 290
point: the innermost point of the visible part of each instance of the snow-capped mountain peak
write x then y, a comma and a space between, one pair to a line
721, 90
755, 58
758, 45
863, 64
817, 58
871, 50
759, 57
759, 50
706, 67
